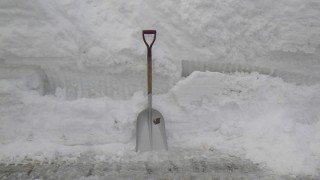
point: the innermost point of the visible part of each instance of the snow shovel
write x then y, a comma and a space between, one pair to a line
151, 132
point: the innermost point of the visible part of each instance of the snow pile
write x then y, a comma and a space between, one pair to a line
247, 115
262, 118
282, 33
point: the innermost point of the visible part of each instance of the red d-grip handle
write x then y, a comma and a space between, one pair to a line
154, 32
149, 31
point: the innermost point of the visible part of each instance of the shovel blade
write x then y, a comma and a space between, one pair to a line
151, 134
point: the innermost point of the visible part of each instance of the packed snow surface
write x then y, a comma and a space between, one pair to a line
252, 116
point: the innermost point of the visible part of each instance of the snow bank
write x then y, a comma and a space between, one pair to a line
281, 33
252, 116
262, 118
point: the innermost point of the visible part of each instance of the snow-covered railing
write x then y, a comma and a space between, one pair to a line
189, 66
73, 83
33, 76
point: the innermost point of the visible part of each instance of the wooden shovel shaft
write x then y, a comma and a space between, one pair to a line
149, 64
149, 56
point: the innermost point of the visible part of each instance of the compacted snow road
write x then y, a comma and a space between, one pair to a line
184, 165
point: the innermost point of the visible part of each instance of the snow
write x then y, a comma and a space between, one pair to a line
253, 116
277, 33
264, 118
72, 81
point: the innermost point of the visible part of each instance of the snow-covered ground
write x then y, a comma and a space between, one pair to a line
251, 116
72, 82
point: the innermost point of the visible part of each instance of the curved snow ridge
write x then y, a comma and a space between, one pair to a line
189, 66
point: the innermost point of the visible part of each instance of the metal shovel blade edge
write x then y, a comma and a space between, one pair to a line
151, 134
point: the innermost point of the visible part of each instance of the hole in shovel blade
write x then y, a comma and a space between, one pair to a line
156, 121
